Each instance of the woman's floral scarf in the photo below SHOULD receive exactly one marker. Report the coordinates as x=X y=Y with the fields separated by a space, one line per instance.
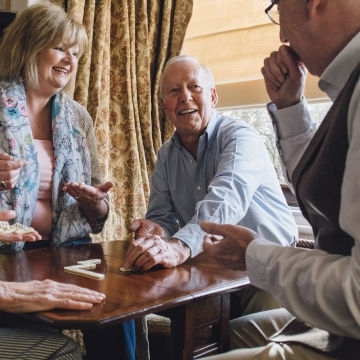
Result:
x=72 y=162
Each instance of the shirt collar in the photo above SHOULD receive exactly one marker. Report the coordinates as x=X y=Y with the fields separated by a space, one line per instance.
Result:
x=209 y=131
x=335 y=76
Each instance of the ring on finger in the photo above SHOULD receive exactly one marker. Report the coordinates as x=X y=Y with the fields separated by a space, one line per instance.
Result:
x=76 y=196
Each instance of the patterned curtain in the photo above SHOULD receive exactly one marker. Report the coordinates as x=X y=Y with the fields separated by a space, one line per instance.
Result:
x=118 y=81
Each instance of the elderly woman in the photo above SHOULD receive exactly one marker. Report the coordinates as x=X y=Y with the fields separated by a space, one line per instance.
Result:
x=49 y=169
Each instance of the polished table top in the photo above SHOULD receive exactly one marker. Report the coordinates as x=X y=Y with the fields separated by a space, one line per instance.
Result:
x=128 y=294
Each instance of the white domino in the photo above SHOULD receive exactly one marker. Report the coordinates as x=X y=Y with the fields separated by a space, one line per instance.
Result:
x=124 y=269
x=81 y=271
x=85 y=266
x=16 y=228
x=90 y=261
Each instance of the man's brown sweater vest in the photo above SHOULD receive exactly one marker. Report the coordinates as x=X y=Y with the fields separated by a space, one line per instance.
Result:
x=317 y=181
x=319 y=174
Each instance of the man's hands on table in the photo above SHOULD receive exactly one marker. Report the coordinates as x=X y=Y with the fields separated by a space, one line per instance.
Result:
x=150 y=248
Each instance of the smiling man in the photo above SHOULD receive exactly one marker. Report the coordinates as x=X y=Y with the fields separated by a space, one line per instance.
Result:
x=214 y=168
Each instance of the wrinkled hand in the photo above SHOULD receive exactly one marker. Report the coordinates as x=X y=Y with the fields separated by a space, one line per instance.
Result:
x=227 y=243
x=29 y=296
x=144 y=227
x=9 y=171
x=12 y=237
x=285 y=77
x=146 y=252
x=88 y=194
x=90 y=197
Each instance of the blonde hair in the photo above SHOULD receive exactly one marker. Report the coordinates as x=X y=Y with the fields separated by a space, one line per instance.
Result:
x=38 y=27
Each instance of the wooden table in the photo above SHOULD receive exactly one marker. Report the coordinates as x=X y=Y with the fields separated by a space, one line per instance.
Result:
x=183 y=292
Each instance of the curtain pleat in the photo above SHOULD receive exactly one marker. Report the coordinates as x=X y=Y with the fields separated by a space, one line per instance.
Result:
x=118 y=82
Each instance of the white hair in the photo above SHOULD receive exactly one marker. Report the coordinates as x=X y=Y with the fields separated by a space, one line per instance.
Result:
x=187 y=58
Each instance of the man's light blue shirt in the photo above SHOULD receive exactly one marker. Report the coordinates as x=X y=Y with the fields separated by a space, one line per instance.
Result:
x=232 y=181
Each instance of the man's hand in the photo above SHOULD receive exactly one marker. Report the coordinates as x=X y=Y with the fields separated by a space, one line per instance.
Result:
x=227 y=244
x=144 y=227
x=146 y=252
x=285 y=77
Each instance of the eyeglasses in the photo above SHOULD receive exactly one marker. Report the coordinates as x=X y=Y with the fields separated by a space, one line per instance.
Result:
x=272 y=13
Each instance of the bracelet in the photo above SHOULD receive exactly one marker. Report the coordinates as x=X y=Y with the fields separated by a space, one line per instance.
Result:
x=98 y=225
x=11 y=246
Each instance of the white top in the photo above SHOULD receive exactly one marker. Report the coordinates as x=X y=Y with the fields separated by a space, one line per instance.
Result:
x=319 y=288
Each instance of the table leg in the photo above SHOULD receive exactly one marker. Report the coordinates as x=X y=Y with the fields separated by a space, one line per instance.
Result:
x=187 y=319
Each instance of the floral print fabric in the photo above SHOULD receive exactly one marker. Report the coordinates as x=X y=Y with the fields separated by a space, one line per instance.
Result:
x=74 y=151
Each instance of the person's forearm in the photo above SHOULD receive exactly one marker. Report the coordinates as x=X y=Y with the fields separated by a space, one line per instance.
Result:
x=181 y=250
x=97 y=212
x=293 y=127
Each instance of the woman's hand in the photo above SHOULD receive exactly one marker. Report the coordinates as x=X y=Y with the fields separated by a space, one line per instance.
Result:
x=13 y=237
x=9 y=171
x=29 y=296
x=90 y=198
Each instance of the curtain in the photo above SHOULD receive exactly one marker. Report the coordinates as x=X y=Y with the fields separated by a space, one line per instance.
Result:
x=118 y=82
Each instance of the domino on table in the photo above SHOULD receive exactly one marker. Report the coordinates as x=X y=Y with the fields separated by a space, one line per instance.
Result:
x=89 y=261
x=82 y=271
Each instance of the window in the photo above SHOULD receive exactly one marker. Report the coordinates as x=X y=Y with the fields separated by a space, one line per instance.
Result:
x=259 y=118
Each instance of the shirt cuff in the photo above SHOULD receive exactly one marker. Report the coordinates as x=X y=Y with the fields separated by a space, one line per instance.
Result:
x=256 y=264
x=192 y=235
x=290 y=121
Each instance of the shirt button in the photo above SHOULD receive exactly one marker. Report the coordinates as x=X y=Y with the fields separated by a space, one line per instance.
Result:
x=198 y=187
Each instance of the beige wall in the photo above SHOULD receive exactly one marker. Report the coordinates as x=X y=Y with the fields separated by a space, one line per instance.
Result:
x=253 y=93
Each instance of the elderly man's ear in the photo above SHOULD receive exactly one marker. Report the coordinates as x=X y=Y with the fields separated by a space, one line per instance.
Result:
x=214 y=97
x=315 y=7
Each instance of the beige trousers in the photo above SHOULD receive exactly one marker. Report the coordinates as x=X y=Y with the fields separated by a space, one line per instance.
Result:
x=249 y=336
